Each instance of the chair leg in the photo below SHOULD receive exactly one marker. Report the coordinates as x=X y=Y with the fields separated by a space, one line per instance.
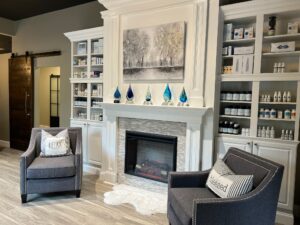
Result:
x=24 y=199
x=78 y=193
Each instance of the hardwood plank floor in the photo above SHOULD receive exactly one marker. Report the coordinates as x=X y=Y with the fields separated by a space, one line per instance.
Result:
x=61 y=209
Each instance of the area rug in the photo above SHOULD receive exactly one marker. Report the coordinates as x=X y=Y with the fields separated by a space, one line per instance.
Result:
x=145 y=202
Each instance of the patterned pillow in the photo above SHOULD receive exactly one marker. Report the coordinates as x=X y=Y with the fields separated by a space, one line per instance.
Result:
x=52 y=146
x=224 y=183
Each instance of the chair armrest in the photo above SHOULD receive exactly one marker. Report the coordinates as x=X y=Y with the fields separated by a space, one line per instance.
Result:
x=188 y=179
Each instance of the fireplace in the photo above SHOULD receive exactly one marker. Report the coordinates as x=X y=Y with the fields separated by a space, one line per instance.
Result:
x=150 y=156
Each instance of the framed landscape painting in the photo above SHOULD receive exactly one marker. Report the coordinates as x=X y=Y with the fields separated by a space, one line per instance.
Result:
x=154 y=53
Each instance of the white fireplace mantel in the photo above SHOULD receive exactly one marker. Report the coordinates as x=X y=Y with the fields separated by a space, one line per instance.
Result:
x=192 y=116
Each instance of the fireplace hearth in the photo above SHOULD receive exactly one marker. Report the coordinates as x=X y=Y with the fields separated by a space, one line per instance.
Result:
x=150 y=156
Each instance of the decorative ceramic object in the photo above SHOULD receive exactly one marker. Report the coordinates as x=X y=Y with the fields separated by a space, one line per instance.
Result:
x=167 y=96
x=272 y=25
x=117 y=95
x=129 y=95
x=183 y=100
x=148 y=98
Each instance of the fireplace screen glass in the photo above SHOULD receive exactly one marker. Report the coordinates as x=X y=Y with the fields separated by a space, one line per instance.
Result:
x=150 y=156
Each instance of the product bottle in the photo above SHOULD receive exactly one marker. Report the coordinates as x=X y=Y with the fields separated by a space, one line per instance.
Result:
x=275 y=68
x=289 y=96
x=272 y=132
x=283 y=67
x=259 y=132
x=268 y=132
x=291 y=136
x=284 y=97
x=263 y=132
x=279 y=96
x=282 y=134
x=286 y=136
x=225 y=127
x=275 y=97
x=221 y=127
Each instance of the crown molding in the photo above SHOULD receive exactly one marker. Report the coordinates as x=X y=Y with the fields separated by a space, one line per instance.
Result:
x=129 y=6
x=84 y=34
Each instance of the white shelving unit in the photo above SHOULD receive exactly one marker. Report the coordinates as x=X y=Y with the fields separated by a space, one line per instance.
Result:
x=87 y=92
x=263 y=82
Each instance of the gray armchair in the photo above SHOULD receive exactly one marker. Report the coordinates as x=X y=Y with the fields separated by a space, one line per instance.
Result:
x=45 y=175
x=191 y=203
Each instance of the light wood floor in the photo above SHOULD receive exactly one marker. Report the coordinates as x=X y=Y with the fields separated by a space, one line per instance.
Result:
x=63 y=208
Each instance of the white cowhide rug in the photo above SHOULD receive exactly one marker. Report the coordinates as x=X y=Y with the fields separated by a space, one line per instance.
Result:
x=145 y=202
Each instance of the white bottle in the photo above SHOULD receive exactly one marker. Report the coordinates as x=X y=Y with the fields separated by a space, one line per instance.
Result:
x=291 y=136
x=268 y=132
x=284 y=97
x=286 y=136
x=272 y=132
x=268 y=98
x=259 y=132
x=275 y=97
x=263 y=132
x=282 y=67
x=275 y=68
x=282 y=134
x=289 y=97
x=279 y=96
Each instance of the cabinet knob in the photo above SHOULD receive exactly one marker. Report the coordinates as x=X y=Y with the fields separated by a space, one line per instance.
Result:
x=249 y=143
x=255 y=144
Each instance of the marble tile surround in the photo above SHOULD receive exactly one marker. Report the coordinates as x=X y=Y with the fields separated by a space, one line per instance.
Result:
x=149 y=126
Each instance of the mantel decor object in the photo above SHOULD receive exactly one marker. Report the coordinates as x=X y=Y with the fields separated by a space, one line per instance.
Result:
x=272 y=25
x=167 y=96
x=117 y=95
x=183 y=100
x=148 y=98
x=129 y=95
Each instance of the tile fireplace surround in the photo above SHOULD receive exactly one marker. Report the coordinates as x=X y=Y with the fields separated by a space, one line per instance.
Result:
x=183 y=122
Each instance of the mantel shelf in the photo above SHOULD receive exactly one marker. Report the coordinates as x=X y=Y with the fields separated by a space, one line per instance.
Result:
x=155 y=112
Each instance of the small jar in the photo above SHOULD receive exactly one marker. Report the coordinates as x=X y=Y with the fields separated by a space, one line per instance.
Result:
x=236 y=96
x=287 y=114
x=229 y=96
x=293 y=114
x=249 y=96
x=227 y=110
x=230 y=127
x=273 y=113
x=279 y=114
x=267 y=113
x=262 y=113
x=247 y=112
x=233 y=111
x=240 y=111
x=223 y=95
x=236 y=128
x=242 y=96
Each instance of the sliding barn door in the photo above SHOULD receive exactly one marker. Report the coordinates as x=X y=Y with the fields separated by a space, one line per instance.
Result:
x=20 y=101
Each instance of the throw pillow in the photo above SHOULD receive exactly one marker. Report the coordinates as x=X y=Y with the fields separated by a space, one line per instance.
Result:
x=58 y=145
x=226 y=184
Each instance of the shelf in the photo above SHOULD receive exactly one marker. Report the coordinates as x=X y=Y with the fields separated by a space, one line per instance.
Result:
x=79 y=66
x=77 y=96
x=86 y=80
x=281 y=54
x=235 y=117
x=278 y=103
x=82 y=107
x=96 y=54
x=237 y=102
x=283 y=37
x=96 y=96
x=227 y=56
x=276 y=119
x=80 y=55
x=250 y=40
x=97 y=65
x=295 y=76
x=96 y=107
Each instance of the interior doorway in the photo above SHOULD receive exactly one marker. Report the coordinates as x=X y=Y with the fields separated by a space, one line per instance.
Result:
x=46 y=89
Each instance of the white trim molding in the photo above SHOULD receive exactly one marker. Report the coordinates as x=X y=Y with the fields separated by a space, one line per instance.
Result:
x=4 y=144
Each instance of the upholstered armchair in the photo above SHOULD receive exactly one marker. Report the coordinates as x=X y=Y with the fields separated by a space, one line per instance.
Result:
x=57 y=174
x=190 y=202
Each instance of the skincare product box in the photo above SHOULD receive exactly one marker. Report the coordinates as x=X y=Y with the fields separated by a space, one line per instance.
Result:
x=237 y=64
x=292 y=28
x=238 y=33
x=283 y=46
x=247 y=67
x=244 y=50
x=249 y=33
x=228 y=29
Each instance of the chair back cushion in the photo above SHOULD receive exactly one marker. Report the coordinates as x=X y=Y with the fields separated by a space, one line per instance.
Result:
x=243 y=163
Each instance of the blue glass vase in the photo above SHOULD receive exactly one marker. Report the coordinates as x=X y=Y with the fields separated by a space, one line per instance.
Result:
x=129 y=95
x=167 y=96
x=183 y=100
x=148 y=98
x=117 y=95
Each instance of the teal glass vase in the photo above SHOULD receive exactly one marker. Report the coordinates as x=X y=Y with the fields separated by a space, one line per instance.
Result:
x=117 y=95
x=129 y=95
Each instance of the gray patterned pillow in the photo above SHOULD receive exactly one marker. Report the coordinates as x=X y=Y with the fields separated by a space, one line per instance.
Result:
x=224 y=183
x=53 y=146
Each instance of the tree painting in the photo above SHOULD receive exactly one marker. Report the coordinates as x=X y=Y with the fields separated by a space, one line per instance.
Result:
x=154 y=53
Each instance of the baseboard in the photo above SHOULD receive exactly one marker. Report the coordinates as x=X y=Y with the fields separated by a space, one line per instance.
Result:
x=4 y=144
x=284 y=218
x=91 y=169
